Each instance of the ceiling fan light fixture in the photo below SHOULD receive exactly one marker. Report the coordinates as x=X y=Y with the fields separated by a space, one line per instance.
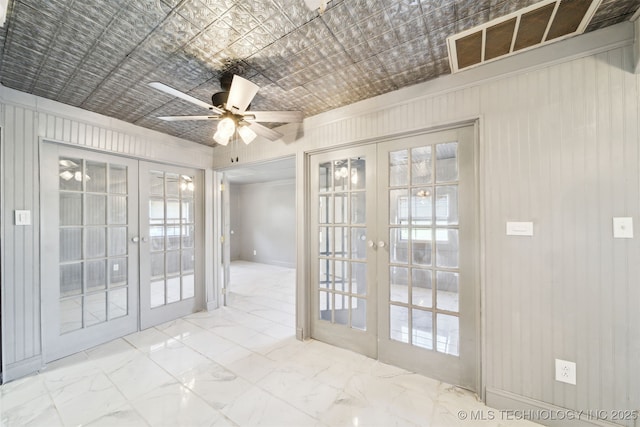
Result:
x=226 y=127
x=247 y=134
x=220 y=138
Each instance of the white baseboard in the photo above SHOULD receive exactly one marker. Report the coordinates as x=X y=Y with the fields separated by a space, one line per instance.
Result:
x=22 y=369
x=512 y=407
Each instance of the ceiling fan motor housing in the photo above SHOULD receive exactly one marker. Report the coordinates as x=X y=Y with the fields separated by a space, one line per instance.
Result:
x=219 y=99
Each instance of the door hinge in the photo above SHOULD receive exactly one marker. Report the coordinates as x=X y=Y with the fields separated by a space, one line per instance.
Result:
x=221 y=239
x=221 y=187
x=224 y=291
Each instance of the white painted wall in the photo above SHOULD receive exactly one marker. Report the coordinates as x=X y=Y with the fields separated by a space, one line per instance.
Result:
x=263 y=217
x=559 y=146
x=25 y=121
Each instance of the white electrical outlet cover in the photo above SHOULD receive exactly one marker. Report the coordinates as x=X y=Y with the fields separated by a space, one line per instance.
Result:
x=623 y=228
x=565 y=371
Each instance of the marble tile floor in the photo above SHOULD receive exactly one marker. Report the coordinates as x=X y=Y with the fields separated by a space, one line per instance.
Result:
x=236 y=366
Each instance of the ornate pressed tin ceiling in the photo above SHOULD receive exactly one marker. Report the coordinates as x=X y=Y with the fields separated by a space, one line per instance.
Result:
x=100 y=54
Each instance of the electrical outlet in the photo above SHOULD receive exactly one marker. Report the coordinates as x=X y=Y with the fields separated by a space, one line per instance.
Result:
x=255 y=252
x=566 y=371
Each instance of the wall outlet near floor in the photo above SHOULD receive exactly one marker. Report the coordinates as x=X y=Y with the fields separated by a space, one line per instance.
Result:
x=566 y=371
x=255 y=252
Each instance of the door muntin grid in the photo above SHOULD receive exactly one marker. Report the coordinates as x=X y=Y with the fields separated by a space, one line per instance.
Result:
x=171 y=238
x=424 y=248
x=342 y=243
x=93 y=246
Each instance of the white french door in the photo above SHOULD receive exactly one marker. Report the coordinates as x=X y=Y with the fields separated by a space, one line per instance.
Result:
x=121 y=247
x=411 y=230
x=343 y=221
x=89 y=261
x=170 y=215
x=427 y=255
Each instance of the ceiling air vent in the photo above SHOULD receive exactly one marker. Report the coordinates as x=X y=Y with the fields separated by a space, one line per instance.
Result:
x=539 y=24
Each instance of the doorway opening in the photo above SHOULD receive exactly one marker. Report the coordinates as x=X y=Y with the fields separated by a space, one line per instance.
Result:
x=259 y=240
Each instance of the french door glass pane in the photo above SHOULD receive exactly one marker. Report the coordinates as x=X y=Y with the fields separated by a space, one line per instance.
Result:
x=71 y=279
x=118 y=303
x=422 y=329
x=117 y=179
x=447 y=162
x=358 y=174
x=117 y=210
x=399 y=323
x=96 y=176
x=359 y=278
x=358 y=243
x=398 y=207
x=398 y=168
x=358 y=208
x=447 y=205
x=448 y=334
x=95 y=242
x=70 y=314
x=96 y=209
x=421 y=288
x=399 y=284
x=447 y=248
x=118 y=241
x=70 y=174
x=70 y=244
x=70 y=208
x=447 y=296
x=421 y=165
x=95 y=308
x=325 y=177
x=117 y=272
x=96 y=275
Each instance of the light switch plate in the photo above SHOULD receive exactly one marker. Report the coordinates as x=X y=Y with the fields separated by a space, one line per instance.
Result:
x=623 y=228
x=519 y=228
x=23 y=217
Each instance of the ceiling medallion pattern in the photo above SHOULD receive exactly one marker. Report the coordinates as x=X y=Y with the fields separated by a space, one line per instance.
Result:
x=100 y=55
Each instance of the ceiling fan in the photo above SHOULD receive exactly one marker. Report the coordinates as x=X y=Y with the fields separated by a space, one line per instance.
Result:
x=231 y=109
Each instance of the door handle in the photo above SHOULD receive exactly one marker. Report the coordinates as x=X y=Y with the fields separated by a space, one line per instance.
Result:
x=371 y=244
x=135 y=239
x=144 y=240
x=381 y=244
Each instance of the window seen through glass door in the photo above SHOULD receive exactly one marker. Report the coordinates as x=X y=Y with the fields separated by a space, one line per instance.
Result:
x=171 y=233
x=424 y=247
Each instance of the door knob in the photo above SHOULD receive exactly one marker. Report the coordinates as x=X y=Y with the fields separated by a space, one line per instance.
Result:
x=382 y=244
x=371 y=244
x=135 y=239
x=144 y=240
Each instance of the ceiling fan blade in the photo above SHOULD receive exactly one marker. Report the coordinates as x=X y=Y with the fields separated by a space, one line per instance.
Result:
x=175 y=92
x=181 y=118
x=241 y=94
x=274 y=116
x=265 y=131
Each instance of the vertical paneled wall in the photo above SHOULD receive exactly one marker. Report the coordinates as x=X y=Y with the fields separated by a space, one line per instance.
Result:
x=561 y=149
x=25 y=120
x=559 y=146
x=21 y=297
